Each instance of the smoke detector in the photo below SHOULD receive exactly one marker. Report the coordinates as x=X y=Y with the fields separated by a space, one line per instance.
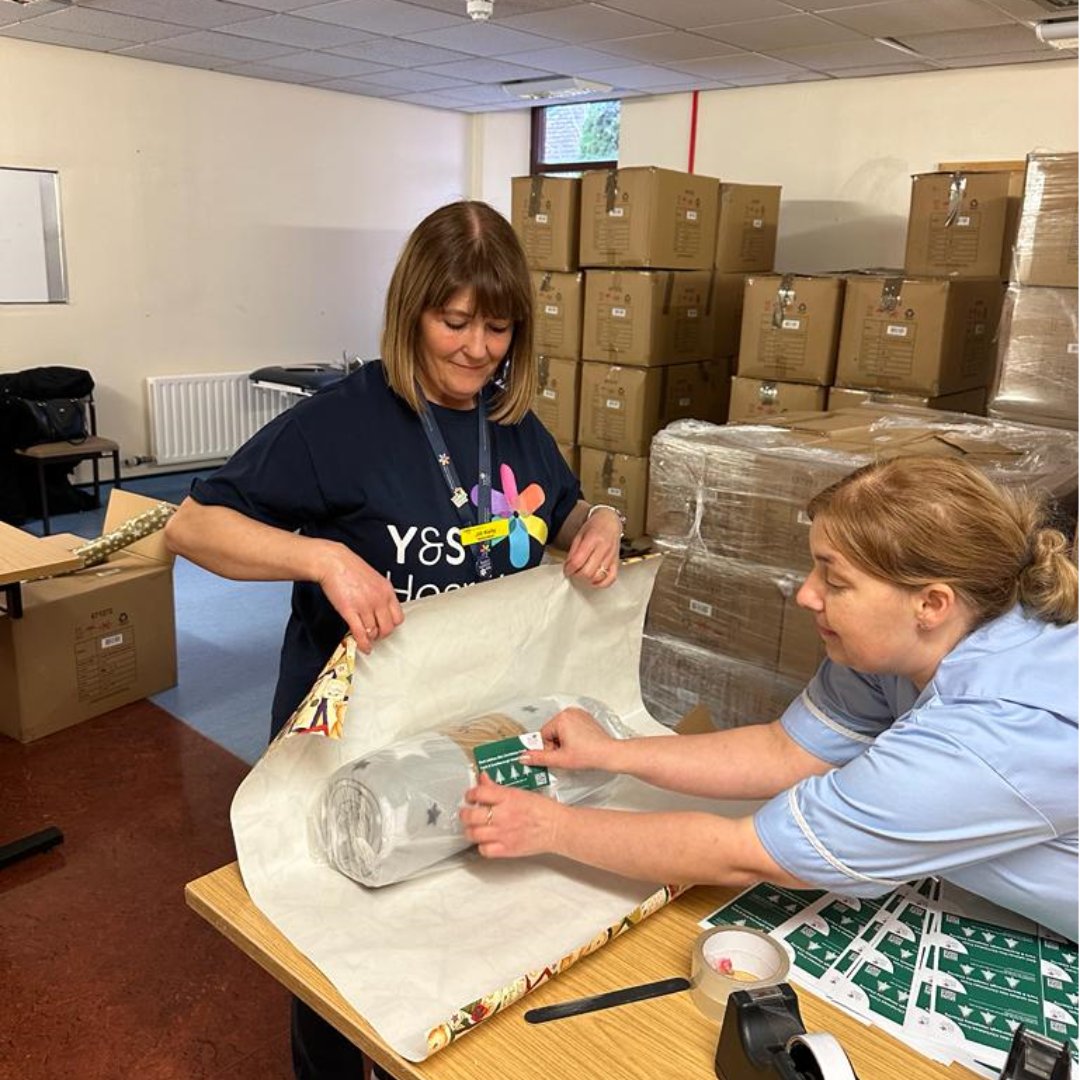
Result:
x=479 y=10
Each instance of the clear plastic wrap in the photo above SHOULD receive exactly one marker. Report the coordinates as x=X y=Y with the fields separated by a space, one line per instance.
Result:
x=393 y=814
x=676 y=676
x=1046 y=235
x=1038 y=359
x=741 y=491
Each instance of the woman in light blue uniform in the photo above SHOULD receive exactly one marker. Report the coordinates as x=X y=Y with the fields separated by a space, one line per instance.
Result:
x=938 y=737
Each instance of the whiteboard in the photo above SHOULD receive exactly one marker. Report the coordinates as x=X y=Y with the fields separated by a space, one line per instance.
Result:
x=31 y=245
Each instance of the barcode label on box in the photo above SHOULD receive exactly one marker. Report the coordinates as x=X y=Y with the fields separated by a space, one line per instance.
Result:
x=1072 y=348
x=683 y=402
x=112 y=641
x=541 y=219
x=551 y=309
x=691 y=313
x=618 y=313
x=616 y=211
x=893 y=330
x=691 y=215
x=699 y=607
x=963 y=221
x=617 y=492
x=790 y=324
x=551 y=395
x=757 y=223
x=613 y=403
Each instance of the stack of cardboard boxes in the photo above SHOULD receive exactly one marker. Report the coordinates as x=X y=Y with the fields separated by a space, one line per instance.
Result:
x=919 y=337
x=727 y=506
x=657 y=310
x=1037 y=340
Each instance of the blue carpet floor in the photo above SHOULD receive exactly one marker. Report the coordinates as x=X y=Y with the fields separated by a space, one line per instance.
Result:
x=228 y=636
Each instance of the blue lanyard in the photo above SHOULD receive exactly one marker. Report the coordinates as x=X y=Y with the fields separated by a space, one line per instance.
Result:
x=481 y=552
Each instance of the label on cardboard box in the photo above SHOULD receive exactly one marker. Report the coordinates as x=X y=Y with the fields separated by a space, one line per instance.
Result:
x=104 y=663
x=611 y=403
x=699 y=607
x=551 y=395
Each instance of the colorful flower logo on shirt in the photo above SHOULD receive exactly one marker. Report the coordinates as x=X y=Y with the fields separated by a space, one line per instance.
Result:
x=517 y=507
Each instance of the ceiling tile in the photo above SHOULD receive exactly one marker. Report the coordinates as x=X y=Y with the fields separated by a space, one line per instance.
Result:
x=384 y=16
x=583 y=23
x=274 y=74
x=635 y=76
x=988 y=42
x=1027 y=10
x=504 y=9
x=280 y=5
x=397 y=53
x=785 y=32
x=13 y=13
x=691 y=14
x=300 y=33
x=483 y=69
x=328 y=65
x=664 y=48
x=1009 y=58
x=833 y=58
x=482 y=95
x=229 y=46
x=105 y=24
x=162 y=54
x=771 y=80
x=825 y=6
x=431 y=98
x=197 y=14
x=481 y=39
x=905 y=67
x=30 y=30
x=566 y=59
x=406 y=81
x=898 y=18
x=738 y=65
x=357 y=86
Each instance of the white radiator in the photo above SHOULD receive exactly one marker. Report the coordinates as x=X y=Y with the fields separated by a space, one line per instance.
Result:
x=205 y=417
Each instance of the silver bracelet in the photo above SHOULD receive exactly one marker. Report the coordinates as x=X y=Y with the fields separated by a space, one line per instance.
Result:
x=615 y=510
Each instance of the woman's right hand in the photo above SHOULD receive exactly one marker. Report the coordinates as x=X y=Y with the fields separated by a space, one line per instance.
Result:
x=362 y=596
x=572 y=740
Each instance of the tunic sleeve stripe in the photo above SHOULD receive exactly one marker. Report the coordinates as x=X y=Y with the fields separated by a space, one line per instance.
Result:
x=831 y=724
x=823 y=851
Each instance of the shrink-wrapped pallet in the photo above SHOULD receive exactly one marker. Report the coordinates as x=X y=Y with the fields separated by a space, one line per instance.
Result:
x=1046 y=237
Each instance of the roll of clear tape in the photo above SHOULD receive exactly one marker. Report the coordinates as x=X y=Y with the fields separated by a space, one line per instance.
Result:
x=820 y=1049
x=729 y=958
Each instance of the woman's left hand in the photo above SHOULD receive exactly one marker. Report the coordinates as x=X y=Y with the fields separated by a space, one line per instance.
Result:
x=593 y=555
x=506 y=822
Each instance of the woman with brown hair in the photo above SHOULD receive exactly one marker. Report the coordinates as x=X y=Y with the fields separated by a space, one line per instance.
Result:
x=420 y=473
x=938 y=737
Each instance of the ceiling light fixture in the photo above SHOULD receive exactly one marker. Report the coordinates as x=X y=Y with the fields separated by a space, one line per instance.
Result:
x=479 y=10
x=555 y=86
x=899 y=46
x=1057 y=33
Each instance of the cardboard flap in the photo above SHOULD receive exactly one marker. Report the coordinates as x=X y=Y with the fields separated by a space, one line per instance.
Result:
x=123 y=506
x=698 y=721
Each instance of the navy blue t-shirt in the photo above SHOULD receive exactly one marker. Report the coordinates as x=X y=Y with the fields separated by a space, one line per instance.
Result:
x=352 y=464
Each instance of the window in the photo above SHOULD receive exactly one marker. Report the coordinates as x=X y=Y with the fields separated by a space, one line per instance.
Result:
x=570 y=138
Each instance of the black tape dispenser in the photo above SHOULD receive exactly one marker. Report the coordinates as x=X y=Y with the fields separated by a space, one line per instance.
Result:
x=763 y=1038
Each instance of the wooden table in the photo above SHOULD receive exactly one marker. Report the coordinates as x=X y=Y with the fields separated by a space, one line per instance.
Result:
x=25 y=557
x=665 y=1037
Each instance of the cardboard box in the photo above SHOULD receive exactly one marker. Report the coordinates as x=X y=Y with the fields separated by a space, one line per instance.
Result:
x=726 y=302
x=545 y=213
x=90 y=641
x=648 y=217
x=1037 y=371
x=1046 y=241
x=746 y=229
x=958 y=225
x=801 y=646
x=697 y=391
x=918 y=336
x=558 y=302
x=790 y=328
x=572 y=457
x=754 y=400
x=620 y=407
x=647 y=317
x=966 y=401
x=557 y=395
x=619 y=480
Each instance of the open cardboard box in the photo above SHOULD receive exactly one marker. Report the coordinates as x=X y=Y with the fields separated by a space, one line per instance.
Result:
x=91 y=640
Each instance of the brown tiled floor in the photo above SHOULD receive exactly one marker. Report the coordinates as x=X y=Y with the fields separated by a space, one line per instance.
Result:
x=104 y=972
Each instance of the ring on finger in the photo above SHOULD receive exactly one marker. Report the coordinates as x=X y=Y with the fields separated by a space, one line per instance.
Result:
x=602 y=572
x=371 y=631
x=490 y=815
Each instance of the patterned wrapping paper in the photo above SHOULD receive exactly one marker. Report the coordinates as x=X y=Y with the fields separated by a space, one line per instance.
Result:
x=98 y=550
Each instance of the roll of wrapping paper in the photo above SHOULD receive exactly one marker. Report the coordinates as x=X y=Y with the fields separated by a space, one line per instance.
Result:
x=97 y=551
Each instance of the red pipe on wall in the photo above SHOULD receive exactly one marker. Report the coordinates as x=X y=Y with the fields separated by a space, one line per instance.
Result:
x=693 y=130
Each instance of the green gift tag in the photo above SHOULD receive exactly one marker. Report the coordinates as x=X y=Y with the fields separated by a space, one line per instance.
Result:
x=500 y=760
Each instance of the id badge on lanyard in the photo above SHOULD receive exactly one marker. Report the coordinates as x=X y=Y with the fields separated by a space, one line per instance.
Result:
x=476 y=535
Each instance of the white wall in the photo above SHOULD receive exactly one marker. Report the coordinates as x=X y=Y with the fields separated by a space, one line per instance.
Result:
x=212 y=222
x=500 y=149
x=844 y=150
